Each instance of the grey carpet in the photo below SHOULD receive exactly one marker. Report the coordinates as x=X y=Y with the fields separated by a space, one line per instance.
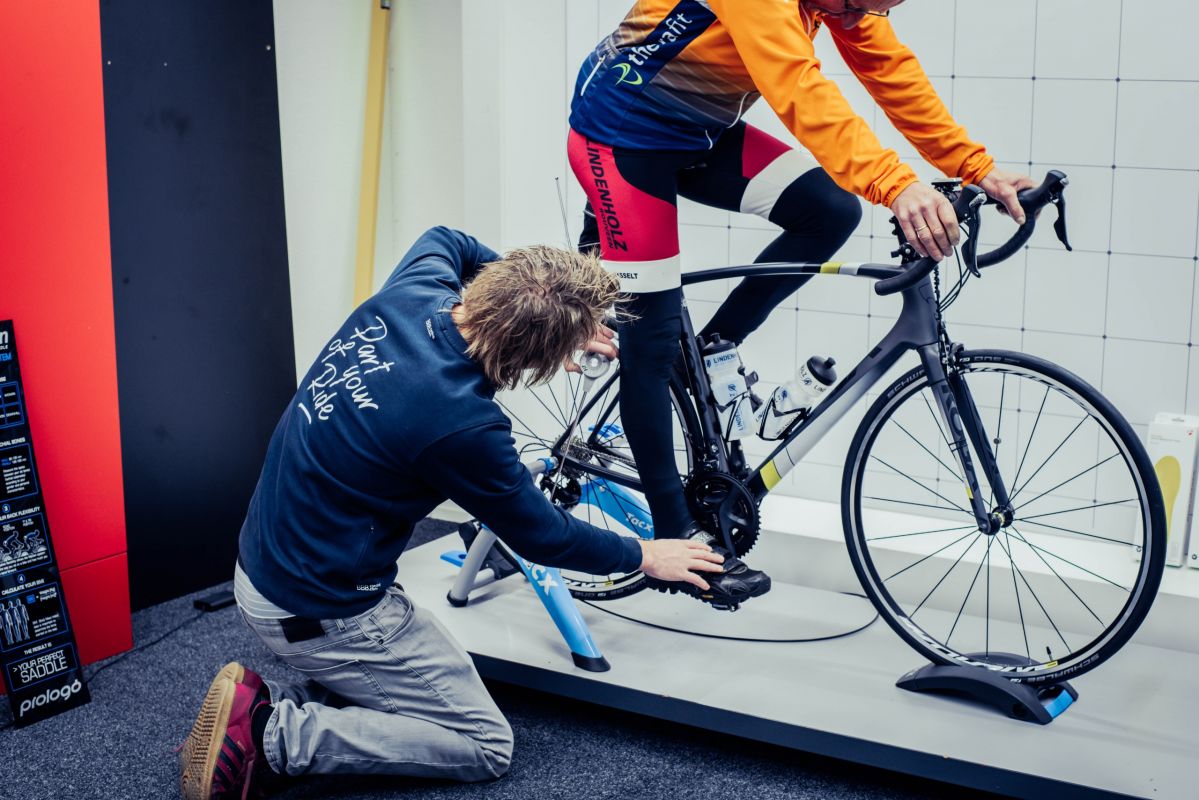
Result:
x=122 y=744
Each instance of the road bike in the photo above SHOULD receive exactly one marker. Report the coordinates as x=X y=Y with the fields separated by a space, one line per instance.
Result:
x=999 y=512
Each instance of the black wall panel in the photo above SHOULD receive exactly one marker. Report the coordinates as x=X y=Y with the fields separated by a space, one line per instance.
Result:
x=203 y=317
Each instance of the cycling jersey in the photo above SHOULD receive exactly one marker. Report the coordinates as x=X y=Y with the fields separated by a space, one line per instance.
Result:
x=677 y=73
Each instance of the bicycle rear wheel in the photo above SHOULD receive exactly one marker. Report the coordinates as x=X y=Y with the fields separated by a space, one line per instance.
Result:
x=595 y=478
x=1073 y=570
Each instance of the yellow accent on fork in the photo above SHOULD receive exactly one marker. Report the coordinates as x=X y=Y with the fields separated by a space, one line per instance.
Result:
x=831 y=267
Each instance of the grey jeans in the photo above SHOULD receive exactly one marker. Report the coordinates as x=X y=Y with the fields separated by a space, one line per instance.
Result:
x=388 y=692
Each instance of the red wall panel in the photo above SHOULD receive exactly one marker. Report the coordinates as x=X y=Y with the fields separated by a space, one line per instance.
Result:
x=56 y=284
x=93 y=591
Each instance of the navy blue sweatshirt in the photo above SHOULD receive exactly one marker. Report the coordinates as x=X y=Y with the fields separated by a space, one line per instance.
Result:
x=392 y=419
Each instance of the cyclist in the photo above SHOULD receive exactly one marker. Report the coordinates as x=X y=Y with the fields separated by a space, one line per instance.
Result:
x=656 y=113
x=395 y=416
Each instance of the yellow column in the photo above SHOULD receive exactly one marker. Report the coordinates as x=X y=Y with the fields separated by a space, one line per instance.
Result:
x=372 y=146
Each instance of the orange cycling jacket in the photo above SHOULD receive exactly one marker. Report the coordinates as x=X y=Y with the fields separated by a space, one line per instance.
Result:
x=676 y=73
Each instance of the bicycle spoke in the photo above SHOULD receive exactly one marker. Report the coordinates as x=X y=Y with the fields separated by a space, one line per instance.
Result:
x=930 y=555
x=1016 y=587
x=529 y=431
x=917 y=533
x=937 y=420
x=1079 y=533
x=1050 y=457
x=1041 y=605
x=1079 y=567
x=912 y=503
x=952 y=567
x=987 y=621
x=1057 y=575
x=1068 y=480
x=1031 y=434
x=966 y=599
x=537 y=396
x=921 y=485
x=554 y=397
x=952 y=471
x=1072 y=510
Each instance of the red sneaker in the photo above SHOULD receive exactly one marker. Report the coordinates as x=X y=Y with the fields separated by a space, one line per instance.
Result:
x=219 y=754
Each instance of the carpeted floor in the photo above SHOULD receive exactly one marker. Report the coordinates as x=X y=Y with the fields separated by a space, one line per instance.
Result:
x=122 y=744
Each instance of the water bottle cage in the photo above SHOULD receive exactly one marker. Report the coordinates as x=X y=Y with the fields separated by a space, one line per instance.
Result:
x=728 y=413
x=770 y=418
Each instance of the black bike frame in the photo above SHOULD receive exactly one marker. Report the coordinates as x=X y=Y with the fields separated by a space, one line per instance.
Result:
x=915 y=330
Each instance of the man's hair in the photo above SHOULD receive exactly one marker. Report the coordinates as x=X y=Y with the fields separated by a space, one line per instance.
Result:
x=529 y=311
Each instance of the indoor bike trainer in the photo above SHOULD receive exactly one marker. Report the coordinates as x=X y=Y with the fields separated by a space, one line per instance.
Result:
x=671 y=657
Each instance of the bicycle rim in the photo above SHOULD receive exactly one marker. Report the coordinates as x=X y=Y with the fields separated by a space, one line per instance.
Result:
x=1066 y=582
x=596 y=443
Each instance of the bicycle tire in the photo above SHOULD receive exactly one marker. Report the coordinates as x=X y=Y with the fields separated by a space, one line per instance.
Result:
x=895 y=602
x=584 y=448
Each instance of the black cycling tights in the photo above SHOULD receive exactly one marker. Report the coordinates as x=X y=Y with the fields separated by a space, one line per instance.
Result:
x=746 y=171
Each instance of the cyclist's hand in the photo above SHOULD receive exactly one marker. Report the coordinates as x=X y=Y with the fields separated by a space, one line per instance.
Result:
x=1002 y=186
x=601 y=343
x=927 y=220
x=678 y=560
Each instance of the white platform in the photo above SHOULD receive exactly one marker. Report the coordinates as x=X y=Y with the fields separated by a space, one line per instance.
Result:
x=1133 y=731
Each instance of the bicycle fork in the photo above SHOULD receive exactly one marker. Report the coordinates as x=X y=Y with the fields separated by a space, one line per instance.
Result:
x=965 y=430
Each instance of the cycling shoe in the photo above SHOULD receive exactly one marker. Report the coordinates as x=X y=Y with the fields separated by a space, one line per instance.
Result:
x=727 y=589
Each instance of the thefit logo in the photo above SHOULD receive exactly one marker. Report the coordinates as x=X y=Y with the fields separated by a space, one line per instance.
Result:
x=63 y=693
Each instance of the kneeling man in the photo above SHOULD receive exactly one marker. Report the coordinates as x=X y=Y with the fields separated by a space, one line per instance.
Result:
x=396 y=415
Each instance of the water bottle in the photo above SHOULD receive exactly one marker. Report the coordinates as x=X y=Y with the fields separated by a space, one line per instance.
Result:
x=723 y=366
x=789 y=402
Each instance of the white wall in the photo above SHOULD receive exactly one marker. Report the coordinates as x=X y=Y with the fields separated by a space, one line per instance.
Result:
x=322 y=70
x=1112 y=87
x=478 y=104
x=321 y=64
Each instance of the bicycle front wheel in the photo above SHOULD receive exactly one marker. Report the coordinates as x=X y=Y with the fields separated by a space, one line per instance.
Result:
x=1072 y=571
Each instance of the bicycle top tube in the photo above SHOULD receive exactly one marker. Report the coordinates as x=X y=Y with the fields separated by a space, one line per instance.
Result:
x=862 y=270
x=1050 y=192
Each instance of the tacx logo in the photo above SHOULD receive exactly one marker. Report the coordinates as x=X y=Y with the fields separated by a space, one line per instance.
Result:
x=62 y=693
x=625 y=70
x=638 y=522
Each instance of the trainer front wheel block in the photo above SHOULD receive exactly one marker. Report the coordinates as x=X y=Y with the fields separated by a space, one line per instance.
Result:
x=1016 y=700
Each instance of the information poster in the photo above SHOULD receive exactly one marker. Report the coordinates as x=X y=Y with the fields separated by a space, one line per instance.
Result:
x=42 y=674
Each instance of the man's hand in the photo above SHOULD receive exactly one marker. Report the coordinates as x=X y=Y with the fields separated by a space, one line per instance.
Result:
x=927 y=220
x=1002 y=186
x=601 y=343
x=678 y=560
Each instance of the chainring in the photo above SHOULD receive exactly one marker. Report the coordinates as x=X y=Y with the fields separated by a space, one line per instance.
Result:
x=708 y=492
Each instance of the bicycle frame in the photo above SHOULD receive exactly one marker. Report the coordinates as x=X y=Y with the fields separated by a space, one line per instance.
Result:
x=914 y=330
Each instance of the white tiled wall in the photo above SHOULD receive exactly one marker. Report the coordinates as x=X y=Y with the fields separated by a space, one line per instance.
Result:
x=1106 y=90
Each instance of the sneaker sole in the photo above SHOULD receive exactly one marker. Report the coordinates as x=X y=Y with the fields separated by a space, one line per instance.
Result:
x=203 y=746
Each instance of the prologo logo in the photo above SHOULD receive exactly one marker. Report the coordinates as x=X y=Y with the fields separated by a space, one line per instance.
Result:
x=64 y=693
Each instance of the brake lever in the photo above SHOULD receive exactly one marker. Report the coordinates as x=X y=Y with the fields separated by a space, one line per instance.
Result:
x=1059 y=225
x=973 y=223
